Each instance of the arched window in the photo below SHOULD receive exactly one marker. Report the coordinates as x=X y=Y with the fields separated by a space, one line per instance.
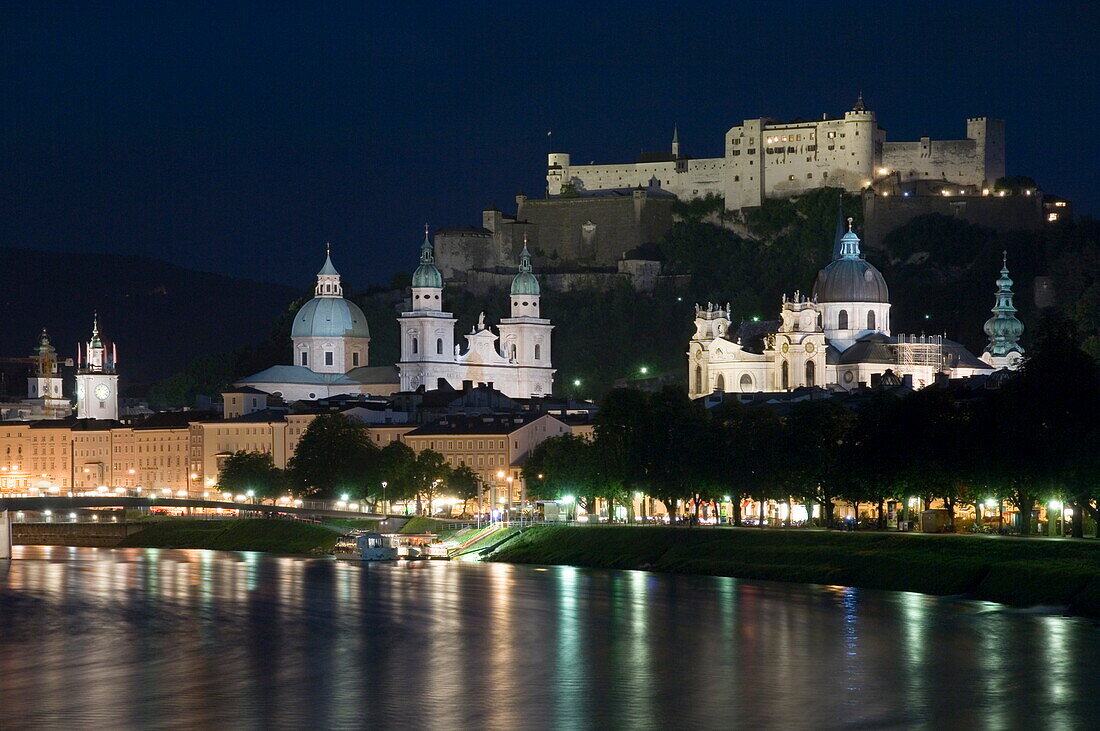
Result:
x=720 y=383
x=842 y=320
x=786 y=376
x=439 y=346
x=811 y=371
x=416 y=345
x=698 y=379
x=513 y=351
x=870 y=319
x=746 y=383
x=538 y=351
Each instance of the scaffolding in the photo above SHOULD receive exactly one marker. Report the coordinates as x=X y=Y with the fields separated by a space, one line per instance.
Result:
x=918 y=350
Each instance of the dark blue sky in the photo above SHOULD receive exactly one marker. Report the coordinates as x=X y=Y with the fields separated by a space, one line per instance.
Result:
x=239 y=138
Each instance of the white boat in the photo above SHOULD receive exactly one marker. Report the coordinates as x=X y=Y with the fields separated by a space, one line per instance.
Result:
x=359 y=546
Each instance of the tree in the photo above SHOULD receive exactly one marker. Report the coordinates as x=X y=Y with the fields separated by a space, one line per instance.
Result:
x=396 y=461
x=244 y=472
x=429 y=471
x=564 y=466
x=815 y=435
x=334 y=457
x=746 y=463
x=623 y=435
x=466 y=485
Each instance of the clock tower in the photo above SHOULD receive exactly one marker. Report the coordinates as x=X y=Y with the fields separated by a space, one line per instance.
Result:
x=96 y=379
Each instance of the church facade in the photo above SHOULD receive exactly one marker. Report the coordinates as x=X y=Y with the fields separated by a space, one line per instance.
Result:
x=517 y=361
x=839 y=337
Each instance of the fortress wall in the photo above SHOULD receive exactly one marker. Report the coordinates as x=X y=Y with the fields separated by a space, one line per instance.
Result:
x=620 y=223
x=959 y=161
x=882 y=215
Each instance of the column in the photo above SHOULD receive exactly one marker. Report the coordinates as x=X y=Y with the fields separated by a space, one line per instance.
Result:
x=5 y=534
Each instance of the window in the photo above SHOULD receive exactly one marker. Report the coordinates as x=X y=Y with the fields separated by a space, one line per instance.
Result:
x=785 y=376
x=842 y=320
x=416 y=345
x=305 y=358
x=328 y=357
x=720 y=383
x=355 y=359
x=698 y=379
x=439 y=346
x=538 y=351
x=870 y=319
x=810 y=372
x=746 y=383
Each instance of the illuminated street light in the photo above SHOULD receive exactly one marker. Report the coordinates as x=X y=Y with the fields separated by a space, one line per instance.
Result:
x=643 y=370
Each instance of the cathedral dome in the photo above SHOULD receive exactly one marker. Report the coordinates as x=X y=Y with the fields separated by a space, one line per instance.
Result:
x=851 y=278
x=426 y=275
x=524 y=283
x=330 y=317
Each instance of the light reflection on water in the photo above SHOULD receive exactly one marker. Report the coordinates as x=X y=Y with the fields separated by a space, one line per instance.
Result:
x=147 y=637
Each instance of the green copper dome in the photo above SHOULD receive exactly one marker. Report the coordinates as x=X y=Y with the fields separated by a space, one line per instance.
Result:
x=525 y=283
x=1004 y=329
x=426 y=275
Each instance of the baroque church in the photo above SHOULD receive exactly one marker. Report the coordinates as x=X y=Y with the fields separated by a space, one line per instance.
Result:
x=330 y=350
x=838 y=338
x=516 y=362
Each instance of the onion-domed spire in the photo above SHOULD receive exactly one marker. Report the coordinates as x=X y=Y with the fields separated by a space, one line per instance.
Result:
x=525 y=282
x=1004 y=328
x=427 y=275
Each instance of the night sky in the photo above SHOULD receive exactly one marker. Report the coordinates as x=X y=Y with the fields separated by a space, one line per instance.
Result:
x=238 y=138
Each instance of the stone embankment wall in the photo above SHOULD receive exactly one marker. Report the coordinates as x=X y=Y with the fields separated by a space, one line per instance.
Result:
x=94 y=535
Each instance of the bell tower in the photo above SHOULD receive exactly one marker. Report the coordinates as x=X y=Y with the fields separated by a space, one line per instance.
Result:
x=96 y=379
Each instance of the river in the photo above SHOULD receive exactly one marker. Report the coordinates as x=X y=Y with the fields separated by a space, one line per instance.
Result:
x=117 y=638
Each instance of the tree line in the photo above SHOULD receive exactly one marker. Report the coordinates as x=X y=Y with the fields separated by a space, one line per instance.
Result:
x=335 y=458
x=1032 y=439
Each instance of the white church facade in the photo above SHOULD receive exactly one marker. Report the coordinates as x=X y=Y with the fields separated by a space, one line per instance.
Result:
x=516 y=359
x=837 y=338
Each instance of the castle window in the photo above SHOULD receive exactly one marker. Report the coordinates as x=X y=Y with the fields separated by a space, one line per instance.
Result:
x=328 y=357
x=810 y=372
x=790 y=177
x=871 y=320
x=842 y=320
x=439 y=346
x=416 y=345
x=305 y=358
x=809 y=175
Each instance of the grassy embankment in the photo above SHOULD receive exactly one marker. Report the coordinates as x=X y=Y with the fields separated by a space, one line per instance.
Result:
x=257 y=534
x=1012 y=571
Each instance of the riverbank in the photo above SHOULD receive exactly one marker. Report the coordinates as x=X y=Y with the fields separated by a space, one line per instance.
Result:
x=255 y=534
x=1018 y=572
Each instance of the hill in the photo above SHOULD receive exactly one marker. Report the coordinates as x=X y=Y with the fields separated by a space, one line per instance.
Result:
x=160 y=315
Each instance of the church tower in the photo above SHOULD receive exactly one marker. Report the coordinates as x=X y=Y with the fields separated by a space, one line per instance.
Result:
x=96 y=379
x=44 y=382
x=525 y=336
x=427 y=332
x=1004 y=329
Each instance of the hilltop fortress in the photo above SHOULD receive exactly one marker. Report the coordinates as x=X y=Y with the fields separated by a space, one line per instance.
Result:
x=765 y=158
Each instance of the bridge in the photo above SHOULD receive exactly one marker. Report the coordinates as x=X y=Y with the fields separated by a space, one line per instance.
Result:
x=310 y=508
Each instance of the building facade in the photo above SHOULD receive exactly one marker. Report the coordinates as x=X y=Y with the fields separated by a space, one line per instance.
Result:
x=764 y=158
x=330 y=350
x=839 y=338
x=517 y=361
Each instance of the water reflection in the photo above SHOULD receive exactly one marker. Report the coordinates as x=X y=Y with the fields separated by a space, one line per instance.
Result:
x=145 y=637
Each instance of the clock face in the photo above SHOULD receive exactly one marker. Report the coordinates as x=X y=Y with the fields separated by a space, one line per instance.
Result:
x=102 y=391
x=80 y=390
